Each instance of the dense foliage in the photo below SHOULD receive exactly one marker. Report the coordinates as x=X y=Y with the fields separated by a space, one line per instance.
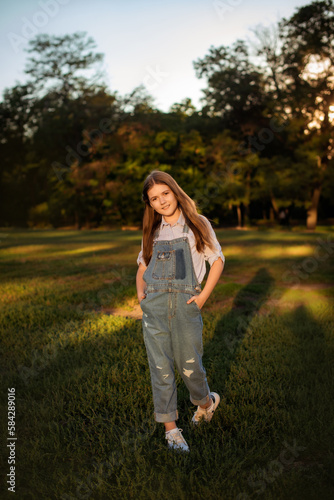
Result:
x=75 y=153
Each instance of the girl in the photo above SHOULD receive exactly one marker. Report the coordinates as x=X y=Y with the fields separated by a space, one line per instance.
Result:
x=175 y=245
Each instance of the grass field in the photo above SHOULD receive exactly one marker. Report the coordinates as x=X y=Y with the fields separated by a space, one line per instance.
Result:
x=72 y=348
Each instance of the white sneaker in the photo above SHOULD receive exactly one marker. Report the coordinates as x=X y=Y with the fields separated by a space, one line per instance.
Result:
x=176 y=441
x=206 y=414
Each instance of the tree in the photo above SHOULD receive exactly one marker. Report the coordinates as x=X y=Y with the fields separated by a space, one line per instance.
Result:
x=16 y=117
x=138 y=102
x=58 y=60
x=47 y=120
x=302 y=78
x=183 y=109
x=235 y=88
x=308 y=52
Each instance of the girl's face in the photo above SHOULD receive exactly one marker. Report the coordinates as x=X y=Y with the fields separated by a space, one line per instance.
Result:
x=162 y=199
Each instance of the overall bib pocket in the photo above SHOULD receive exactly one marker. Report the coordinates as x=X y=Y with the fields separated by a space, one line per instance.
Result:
x=164 y=265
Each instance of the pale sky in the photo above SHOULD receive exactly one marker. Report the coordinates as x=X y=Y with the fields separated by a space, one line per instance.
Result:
x=147 y=42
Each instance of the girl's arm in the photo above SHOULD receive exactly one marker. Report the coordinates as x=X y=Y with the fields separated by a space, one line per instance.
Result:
x=213 y=277
x=140 y=283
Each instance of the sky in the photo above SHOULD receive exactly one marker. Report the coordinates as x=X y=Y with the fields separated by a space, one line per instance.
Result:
x=145 y=42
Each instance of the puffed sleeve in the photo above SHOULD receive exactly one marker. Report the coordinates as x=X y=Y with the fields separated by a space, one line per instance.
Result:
x=210 y=255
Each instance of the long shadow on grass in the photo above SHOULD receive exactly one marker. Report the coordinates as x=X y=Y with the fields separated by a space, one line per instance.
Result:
x=219 y=353
x=310 y=360
x=308 y=397
x=221 y=350
x=289 y=403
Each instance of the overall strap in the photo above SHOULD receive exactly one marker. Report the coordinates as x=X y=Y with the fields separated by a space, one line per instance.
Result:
x=185 y=228
x=156 y=233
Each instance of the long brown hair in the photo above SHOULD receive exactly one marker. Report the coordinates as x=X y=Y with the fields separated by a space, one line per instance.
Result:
x=152 y=220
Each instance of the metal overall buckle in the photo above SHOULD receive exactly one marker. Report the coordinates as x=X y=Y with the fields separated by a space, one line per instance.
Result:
x=163 y=255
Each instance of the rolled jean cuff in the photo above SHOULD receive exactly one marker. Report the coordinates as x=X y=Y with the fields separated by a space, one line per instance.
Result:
x=199 y=402
x=166 y=417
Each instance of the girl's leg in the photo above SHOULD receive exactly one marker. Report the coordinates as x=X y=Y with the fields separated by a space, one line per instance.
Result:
x=187 y=329
x=160 y=356
x=170 y=425
x=206 y=405
x=162 y=378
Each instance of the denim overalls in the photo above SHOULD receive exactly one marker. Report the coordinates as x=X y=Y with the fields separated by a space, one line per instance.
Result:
x=172 y=329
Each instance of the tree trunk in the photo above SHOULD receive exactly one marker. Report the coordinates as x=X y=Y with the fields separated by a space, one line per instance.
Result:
x=312 y=213
x=77 y=219
x=274 y=206
x=246 y=205
x=77 y=211
x=239 y=215
x=246 y=215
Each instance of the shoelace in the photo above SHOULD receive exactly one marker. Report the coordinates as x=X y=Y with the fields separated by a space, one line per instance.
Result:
x=177 y=437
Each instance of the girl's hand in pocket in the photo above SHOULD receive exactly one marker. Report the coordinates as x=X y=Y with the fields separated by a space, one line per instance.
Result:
x=197 y=298
x=142 y=297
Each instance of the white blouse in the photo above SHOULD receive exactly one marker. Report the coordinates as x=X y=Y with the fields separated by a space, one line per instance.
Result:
x=170 y=232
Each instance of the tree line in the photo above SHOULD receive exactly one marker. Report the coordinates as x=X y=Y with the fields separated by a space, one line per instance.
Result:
x=73 y=152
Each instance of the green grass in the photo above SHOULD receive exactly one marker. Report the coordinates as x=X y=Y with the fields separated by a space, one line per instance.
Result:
x=84 y=410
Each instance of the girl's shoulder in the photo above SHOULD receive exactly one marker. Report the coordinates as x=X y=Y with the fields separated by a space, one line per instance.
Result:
x=203 y=216
x=208 y=223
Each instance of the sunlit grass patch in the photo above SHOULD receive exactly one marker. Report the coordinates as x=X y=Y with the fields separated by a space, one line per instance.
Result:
x=295 y=251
